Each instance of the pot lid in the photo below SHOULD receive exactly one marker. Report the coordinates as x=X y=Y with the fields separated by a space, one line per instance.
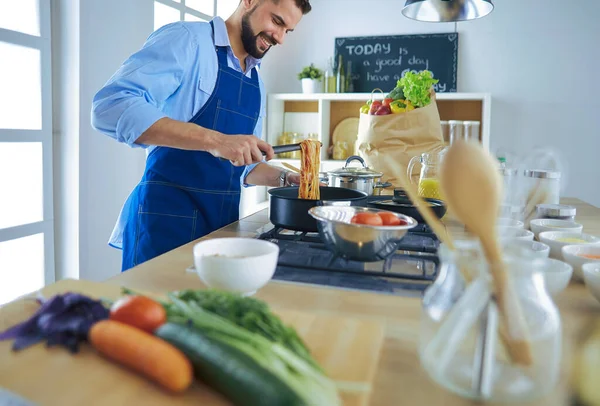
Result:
x=361 y=172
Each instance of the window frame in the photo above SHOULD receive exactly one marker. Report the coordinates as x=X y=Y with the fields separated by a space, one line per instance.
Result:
x=44 y=136
x=184 y=9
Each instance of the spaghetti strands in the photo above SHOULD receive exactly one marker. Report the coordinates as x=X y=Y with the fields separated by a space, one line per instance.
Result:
x=310 y=163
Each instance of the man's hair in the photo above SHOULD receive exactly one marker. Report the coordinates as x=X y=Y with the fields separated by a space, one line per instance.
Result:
x=303 y=5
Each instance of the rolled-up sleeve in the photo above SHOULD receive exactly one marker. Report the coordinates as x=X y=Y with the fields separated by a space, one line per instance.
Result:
x=130 y=102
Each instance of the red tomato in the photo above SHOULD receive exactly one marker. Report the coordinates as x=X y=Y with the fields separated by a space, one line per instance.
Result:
x=389 y=219
x=139 y=311
x=371 y=219
x=387 y=102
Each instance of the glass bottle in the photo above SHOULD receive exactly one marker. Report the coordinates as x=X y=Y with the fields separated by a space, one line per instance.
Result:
x=330 y=77
x=463 y=345
x=340 y=86
x=349 y=83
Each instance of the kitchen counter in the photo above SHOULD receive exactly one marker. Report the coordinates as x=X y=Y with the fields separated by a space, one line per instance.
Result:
x=399 y=378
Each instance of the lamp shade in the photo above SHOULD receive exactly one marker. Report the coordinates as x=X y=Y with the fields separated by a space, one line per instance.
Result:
x=441 y=11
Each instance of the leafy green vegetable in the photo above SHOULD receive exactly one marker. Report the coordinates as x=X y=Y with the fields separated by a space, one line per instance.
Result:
x=396 y=94
x=416 y=87
x=252 y=314
x=312 y=385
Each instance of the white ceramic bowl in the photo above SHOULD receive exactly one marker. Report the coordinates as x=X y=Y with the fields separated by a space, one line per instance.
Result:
x=241 y=265
x=540 y=225
x=508 y=222
x=573 y=255
x=508 y=232
x=557 y=275
x=552 y=238
x=533 y=249
x=591 y=276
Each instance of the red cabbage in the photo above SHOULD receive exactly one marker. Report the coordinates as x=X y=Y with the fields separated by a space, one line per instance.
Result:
x=63 y=320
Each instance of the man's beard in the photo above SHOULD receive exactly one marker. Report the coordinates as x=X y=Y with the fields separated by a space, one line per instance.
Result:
x=250 y=40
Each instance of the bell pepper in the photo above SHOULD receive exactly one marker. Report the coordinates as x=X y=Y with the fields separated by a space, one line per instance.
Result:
x=398 y=106
x=409 y=106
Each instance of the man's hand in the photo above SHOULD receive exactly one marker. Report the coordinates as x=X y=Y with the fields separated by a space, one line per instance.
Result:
x=293 y=178
x=240 y=149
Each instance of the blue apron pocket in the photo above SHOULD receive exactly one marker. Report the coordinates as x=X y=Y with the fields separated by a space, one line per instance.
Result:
x=166 y=218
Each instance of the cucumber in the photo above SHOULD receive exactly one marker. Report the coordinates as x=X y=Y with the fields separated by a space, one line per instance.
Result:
x=229 y=370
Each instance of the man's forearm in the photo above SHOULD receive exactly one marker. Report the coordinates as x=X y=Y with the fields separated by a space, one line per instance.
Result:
x=264 y=175
x=167 y=132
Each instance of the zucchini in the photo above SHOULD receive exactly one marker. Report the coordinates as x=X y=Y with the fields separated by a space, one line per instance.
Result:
x=228 y=370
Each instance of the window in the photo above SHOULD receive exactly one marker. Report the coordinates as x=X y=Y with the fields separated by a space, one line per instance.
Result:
x=26 y=218
x=168 y=11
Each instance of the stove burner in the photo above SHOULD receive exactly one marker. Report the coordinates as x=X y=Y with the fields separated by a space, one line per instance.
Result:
x=304 y=258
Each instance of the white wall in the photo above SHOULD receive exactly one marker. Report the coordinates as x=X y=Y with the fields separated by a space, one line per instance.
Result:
x=111 y=31
x=94 y=173
x=538 y=59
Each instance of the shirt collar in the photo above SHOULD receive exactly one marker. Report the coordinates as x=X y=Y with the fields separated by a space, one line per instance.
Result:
x=222 y=40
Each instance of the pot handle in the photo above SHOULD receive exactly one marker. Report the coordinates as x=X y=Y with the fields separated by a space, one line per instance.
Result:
x=355 y=158
x=383 y=185
x=410 y=167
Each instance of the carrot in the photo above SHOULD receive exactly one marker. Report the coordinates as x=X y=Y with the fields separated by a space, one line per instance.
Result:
x=148 y=355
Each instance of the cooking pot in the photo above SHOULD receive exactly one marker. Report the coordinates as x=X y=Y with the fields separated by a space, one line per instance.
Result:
x=362 y=179
x=287 y=211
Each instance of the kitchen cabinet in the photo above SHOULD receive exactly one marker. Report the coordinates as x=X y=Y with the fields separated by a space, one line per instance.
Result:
x=320 y=113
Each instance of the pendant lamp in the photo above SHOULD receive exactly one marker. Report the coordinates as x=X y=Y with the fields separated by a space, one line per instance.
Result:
x=441 y=11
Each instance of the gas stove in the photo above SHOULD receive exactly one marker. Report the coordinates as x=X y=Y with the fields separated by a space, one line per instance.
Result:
x=303 y=258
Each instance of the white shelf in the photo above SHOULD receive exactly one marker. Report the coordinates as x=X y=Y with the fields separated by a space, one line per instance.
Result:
x=326 y=103
x=367 y=96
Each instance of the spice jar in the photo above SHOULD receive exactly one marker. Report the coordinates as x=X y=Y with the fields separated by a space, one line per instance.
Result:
x=463 y=345
x=555 y=211
x=545 y=184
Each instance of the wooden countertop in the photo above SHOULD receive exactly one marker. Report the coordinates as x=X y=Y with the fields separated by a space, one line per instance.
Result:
x=400 y=378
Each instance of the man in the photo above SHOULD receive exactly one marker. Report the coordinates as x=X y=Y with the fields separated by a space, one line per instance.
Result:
x=193 y=98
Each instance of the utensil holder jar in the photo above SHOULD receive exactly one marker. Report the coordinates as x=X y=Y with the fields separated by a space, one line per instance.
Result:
x=461 y=348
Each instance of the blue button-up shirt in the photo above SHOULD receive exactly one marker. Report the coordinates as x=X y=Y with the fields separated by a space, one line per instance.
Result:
x=173 y=75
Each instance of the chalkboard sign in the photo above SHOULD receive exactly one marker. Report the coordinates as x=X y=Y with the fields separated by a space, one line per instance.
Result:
x=378 y=62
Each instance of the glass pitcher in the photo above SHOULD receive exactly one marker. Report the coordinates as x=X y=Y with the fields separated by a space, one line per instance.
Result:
x=429 y=183
x=461 y=346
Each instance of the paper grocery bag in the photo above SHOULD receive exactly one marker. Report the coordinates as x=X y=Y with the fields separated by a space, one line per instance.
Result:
x=400 y=136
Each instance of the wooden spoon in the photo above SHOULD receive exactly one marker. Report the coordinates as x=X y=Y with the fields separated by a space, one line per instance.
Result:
x=471 y=182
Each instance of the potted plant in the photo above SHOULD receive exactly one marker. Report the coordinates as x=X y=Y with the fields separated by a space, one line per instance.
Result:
x=311 y=79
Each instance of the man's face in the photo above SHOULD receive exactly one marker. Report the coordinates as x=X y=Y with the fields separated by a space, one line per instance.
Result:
x=266 y=24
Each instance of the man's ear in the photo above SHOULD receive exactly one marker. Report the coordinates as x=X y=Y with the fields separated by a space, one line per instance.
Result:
x=249 y=4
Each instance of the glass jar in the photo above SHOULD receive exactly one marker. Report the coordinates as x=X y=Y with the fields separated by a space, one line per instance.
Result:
x=455 y=130
x=341 y=150
x=545 y=183
x=462 y=342
x=296 y=138
x=284 y=139
x=471 y=130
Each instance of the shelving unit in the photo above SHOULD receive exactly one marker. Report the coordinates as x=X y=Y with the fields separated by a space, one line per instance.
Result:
x=329 y=109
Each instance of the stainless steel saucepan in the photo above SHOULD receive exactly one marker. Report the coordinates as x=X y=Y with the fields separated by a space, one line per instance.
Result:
x=362 y=178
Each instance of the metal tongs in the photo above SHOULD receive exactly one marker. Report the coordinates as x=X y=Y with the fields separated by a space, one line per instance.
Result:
x=280 y=149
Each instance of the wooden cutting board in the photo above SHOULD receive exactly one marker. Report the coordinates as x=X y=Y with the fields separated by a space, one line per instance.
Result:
x=347 y=348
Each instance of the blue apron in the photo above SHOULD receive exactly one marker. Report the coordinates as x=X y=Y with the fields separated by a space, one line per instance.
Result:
x=184 y=195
